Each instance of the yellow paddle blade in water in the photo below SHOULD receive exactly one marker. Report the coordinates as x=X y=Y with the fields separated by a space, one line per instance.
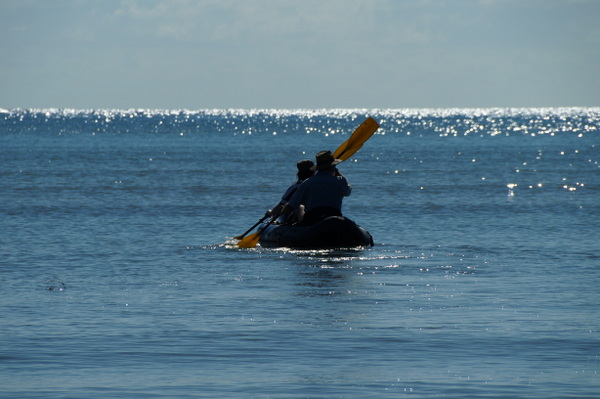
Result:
x=250 y=241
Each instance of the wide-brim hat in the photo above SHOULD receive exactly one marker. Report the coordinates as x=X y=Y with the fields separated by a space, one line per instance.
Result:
x=325 y=160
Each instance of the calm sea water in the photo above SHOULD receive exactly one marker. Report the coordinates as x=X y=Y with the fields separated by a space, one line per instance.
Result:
x=118 y=278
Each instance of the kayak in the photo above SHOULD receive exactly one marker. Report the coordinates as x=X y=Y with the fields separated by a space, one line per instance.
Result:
x=330 y=233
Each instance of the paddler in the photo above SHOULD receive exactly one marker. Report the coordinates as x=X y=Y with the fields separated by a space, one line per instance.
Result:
x=322 y=194
x=305 y=171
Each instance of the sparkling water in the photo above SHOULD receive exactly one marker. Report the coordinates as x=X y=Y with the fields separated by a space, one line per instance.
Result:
x=120 y=278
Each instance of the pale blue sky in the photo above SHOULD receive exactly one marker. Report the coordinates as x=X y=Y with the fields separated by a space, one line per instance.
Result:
x=175 y=54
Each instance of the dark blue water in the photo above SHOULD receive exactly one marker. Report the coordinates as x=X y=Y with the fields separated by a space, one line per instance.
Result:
x=118 y=276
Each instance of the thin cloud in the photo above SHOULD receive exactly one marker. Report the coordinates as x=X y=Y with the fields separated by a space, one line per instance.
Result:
x=270 y=20
x=289 y=54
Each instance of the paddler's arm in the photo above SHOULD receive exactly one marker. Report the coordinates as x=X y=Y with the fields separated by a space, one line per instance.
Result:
x=286 y=209
x=276 y=211
x=348 y=188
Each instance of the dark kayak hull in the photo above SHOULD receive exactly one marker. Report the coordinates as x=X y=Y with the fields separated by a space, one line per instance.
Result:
x=330 y=233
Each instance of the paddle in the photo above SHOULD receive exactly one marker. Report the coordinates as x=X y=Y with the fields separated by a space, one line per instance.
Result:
x=252 y=239
x=251 y=228
x=345 y=151
x=356 y=141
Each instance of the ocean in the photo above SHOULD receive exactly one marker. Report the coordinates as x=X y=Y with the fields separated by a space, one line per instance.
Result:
x=120 y=278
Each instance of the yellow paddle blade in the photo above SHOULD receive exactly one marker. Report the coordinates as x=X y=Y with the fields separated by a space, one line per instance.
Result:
x=340 y=150
x=356 y=141
x=250 y=241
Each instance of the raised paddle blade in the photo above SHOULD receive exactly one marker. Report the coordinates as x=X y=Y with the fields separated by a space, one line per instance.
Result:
x=250 y=241
x=356 y=141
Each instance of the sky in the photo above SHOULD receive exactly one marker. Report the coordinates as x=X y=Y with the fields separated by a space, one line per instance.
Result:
x=289 y=54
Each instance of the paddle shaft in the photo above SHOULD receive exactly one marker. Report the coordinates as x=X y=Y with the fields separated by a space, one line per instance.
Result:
x=251 y=228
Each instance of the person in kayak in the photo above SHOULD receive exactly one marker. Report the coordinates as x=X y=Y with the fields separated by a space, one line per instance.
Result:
x=305 y=171
x=322 y=194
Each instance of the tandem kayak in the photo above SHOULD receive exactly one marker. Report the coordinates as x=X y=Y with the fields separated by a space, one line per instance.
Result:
x=330 y=233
